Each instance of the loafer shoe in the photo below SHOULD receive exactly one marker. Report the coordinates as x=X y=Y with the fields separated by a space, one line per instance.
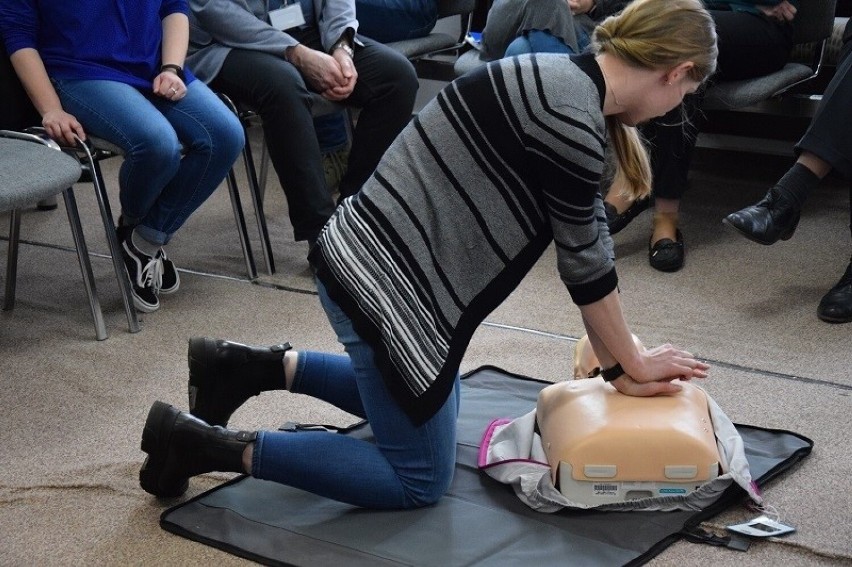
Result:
x=666 y=254
x=836 y=305
x=616 y=222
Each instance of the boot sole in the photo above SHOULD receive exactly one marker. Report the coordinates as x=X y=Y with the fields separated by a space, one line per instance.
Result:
x=786 y=236
x=156 y=437
x=199 y=359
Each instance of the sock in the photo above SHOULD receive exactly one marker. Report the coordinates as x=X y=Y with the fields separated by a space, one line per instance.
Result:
x=147 y=248
x=662 y=222
x=796 y=184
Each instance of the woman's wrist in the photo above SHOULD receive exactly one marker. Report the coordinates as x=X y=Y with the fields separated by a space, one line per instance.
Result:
x=173 y=68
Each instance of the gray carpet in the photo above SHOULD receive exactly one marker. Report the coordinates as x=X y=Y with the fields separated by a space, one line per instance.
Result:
x=73 y=408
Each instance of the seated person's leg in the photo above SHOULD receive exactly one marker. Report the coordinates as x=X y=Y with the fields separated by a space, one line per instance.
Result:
x=385 y=91
x=212 y=139
x=126 y=117
x=395 y=20
x=278 y=92
x=545 y=42
x=333 y=137
x=519 y=46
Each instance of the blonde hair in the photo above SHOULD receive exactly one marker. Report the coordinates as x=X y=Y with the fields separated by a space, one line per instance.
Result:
x=653 y=34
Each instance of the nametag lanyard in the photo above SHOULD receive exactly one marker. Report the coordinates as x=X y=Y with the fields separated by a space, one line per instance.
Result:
x=288 y=16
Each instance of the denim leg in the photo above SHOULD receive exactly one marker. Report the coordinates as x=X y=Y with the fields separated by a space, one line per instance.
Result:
x=536 y=41
x=276 y=90
x=330 y=378
x=331 y=132
x=158 y=188
x=406 y=466
x=124 y=116
x=395 y=20
x=212 y=138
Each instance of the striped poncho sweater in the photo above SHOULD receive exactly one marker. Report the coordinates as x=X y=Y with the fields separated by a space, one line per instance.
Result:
x=505 y=160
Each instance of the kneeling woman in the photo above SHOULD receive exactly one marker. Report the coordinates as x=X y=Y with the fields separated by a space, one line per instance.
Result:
x=506 y=160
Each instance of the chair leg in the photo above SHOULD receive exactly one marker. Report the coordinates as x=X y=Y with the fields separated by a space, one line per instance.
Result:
x=85 y=264
x=242 y=229
x=263 y=176
x=112 y=240
x=12 y=260
x=257 y=201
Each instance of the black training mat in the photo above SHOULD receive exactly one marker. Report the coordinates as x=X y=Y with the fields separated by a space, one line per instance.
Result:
x=479 y=522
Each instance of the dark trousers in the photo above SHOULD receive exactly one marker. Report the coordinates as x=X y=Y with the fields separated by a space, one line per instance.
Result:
x=385 y=92
x=829 y=135
x=749 y=46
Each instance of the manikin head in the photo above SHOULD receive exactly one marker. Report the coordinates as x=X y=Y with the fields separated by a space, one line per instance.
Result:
x=586 y=364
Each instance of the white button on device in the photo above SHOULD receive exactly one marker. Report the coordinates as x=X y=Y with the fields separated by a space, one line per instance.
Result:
x=600 y=471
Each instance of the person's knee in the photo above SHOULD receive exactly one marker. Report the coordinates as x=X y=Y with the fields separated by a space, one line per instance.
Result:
x=519 y=46
x=229 y=137
x=158 y=147
x=427 y=491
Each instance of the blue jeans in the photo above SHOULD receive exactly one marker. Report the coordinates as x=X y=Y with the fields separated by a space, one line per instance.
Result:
x=406 y=466
x=395 y=20
x=536 y=41
x=159 y=188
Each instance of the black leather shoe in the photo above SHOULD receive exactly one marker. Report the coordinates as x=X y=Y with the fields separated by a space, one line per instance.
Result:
x=180 y=446
x=667 y=255
x=223 y=375
x=616 y=222
x=836 y=305
x=773 y=218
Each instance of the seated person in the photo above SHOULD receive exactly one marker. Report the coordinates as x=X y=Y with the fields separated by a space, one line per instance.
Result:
x=235 y=49
x=396 y=20
x=120 y=76
x=826 y=146
x=755 y=39
x=380 y=20
x=514 y=27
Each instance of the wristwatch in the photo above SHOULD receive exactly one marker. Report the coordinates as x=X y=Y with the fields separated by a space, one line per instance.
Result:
x=345 y=47
x=612 y=373
x=176 y=69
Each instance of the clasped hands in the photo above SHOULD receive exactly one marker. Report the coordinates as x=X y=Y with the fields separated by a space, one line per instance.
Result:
x=333 y=76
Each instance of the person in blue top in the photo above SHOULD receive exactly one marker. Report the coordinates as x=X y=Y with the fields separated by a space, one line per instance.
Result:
x=115 y=70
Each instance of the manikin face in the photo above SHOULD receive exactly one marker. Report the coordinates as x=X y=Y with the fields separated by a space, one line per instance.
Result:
x=665 y=94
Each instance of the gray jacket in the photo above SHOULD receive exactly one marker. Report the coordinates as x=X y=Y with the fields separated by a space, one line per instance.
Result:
x=217 y=26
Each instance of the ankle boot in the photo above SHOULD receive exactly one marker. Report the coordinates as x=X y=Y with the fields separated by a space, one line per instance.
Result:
x=836 y=305
x=180 y=446
x=773 y=218
x=223 y=375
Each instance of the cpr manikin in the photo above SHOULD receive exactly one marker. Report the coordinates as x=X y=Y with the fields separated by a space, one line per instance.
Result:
x=586 y=445
x=604 y=446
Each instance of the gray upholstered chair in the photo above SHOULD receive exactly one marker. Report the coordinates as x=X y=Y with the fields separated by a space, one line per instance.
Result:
x=812 y=29
x=438 y=42
x=33 y=169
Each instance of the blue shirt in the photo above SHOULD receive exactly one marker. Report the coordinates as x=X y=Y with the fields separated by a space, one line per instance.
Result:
x=116 y=40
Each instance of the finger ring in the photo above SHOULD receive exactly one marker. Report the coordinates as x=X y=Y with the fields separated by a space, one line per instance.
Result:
x=174 y=90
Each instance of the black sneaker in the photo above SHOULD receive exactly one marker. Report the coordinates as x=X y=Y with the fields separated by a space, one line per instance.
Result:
x=145 y=273
x=169 y=274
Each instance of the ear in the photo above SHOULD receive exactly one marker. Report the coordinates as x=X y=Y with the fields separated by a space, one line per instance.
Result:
x=678 y=72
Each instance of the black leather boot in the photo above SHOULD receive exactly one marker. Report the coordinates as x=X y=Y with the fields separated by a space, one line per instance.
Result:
x=773 y=218
x=223 y=375
x=836 y=305
x=180 y=446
